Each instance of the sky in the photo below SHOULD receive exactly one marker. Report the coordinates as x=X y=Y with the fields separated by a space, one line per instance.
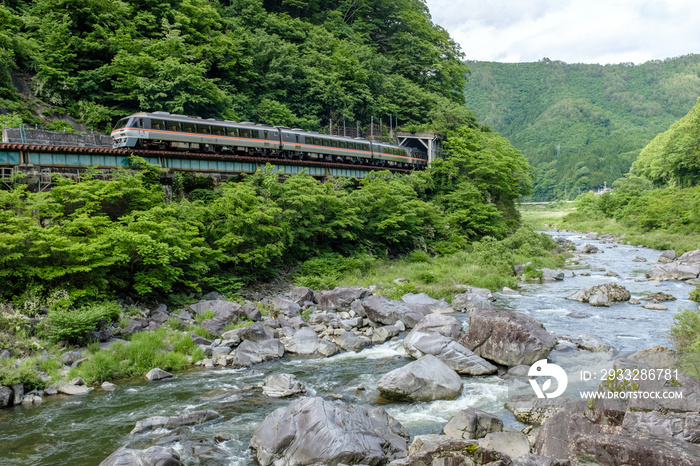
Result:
x=572 y=31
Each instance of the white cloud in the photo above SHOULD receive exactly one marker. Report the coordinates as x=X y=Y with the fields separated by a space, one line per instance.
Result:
x=574 y=31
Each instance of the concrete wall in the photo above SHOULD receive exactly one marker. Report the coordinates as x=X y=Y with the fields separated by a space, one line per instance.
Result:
x=54 y=138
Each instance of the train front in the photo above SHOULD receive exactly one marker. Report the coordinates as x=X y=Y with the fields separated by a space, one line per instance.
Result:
x=125 y=133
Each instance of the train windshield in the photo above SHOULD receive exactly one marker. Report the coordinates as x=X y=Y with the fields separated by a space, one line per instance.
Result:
x=121 y=124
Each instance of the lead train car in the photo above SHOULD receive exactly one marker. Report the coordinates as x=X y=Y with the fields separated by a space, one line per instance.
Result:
x=165 y=131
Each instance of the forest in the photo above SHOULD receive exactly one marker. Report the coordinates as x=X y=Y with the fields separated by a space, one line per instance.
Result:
x=299 y=63
x=581 y=125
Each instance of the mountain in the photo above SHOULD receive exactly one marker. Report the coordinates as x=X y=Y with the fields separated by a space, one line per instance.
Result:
x=581 y=125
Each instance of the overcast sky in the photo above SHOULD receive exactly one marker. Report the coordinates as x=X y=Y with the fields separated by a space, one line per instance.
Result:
x=573 y=31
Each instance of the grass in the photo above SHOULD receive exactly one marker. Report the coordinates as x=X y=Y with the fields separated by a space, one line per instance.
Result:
x=147 y=350
x=486 y=264
x=242 y=322
x=207 y=314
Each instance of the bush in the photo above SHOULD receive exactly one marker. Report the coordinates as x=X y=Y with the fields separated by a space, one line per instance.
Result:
x=74 y=325
x=685 y=331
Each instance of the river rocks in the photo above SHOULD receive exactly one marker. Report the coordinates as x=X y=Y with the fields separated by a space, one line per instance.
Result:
x=674 y=271
x=690 y=257
x=473 y=298
x=157 y=374
x=655 y=307
x=682 y=426
x=351 y=342
x=589 y=343
x=153 y=456
x=426 y=379
x=302 y=295
x=224 y=310
x=314 y=431
x=507 y=337
x=422 y=300
x=443 y=450
x=304 y=341
x=5 y=396
x=551 y=275
x=250 y=352
x=534 y=411
x=435 y=334
x=341 y=297
x=173 y=422
x=658 y=297
x=472 y=423
x=639 y=259
x=286 y=307
x=282 y=385
x=108 y=386
x=601 y=295
x=388 y=312
x=667 y=256
x=18 y=393
x=68 y=357
x=590 y=249
x=625 y=450
x=510 y=443
x=656 y=357
x=70 y=389
x=255 y=333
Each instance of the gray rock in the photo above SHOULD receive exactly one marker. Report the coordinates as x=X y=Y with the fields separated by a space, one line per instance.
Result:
x=472 y=423
x=658 y=297
x=591 y=343
x=537 y=460
x=255 y=333
x=551 y=275
x=452 y=353
x=442 y=450
x=520 y=268
x=223 y=310
x=667 y=256
x=78 y=362
x=252 y=312
x=535 y=411
x=286 y=307
x=302 y=295
x=682 y=426
x=249 y=352
x=282 y=385
x=511 y=443
x=626 y=450
x=220 y=351
x=422 y=299
x=388 y=312
x=590 y=249
x=18 y=393
x=674 y=271
x=327 y=349
x=304 y=341
x=153 y=456
x=611 y=273
x=639 y=259
x=657 y=357
x=426 y=379
x=601 y=294
x=444 y=325
x=5 y=396
x=77 y=381
x=340 y=297
x=5 y=354
x=351 y=342
x=472 y=299
x=108 y=386
x=655 y=307
x=51 y=390
x=690 y=257
x=313 y=431
x=69 y=389
x=173 y=422
x=157 y=374
x=68 y=357
x=507 y=337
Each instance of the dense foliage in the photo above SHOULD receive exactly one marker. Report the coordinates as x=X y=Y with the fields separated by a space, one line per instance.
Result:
x=581 y=125
x=102 y=238
x=674 y=155
x=300 y=63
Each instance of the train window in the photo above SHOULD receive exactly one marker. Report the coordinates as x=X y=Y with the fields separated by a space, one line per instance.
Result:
x=297 y=136
x=173 y=126
x=140 y=123
x=218 y=130
x=334 y=143
x=121 y=124
x=343 y=144
x=232 y=132
x=256 y=134
x=189 y=127
x=245 y=133
x=157 y=124
x=204 y=129
x=325 y=142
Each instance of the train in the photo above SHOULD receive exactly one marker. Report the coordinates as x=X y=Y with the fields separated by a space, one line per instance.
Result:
x=171 y=132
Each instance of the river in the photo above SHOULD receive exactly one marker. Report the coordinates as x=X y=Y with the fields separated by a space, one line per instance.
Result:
x=85 y=430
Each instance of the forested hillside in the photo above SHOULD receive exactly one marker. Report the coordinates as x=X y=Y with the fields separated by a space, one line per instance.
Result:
x=581 y=125
x=299 y=63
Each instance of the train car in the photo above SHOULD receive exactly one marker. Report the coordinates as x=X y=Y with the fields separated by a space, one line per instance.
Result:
x=165 y=131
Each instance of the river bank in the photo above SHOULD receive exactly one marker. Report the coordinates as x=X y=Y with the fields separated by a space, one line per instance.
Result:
x=88 y=428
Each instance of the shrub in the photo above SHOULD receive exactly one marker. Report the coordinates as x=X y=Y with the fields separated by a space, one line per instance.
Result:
x=74 y=325
x=207 y=314
x=695 y=294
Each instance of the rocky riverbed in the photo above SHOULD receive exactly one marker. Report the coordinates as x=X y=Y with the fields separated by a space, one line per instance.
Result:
x=350 y=367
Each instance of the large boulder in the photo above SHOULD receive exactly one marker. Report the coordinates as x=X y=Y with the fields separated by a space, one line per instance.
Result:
x=435 y=334
x=340 y=297
x=351 y=342
x=153 y=456
x=426 y=379
x=674 y=271
x=510 y=443
x=5 y=397
x=473 y=298
x=156 y=374
x=304 y=341
x=70 y=389
x=623 y=450
x=667 y=256
x=313 y=431
x=442 y=450
x=507 y=337
x=224 y=310
x=388 y=312
x=534 y=411
x=249 y=352
x=601 y=295
x=690 y=257
x=173 y=422
x=282 y=385
x=551 y=275
x=472 y=423
x=286 y=307
x=423 y=301
x=302 y=295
